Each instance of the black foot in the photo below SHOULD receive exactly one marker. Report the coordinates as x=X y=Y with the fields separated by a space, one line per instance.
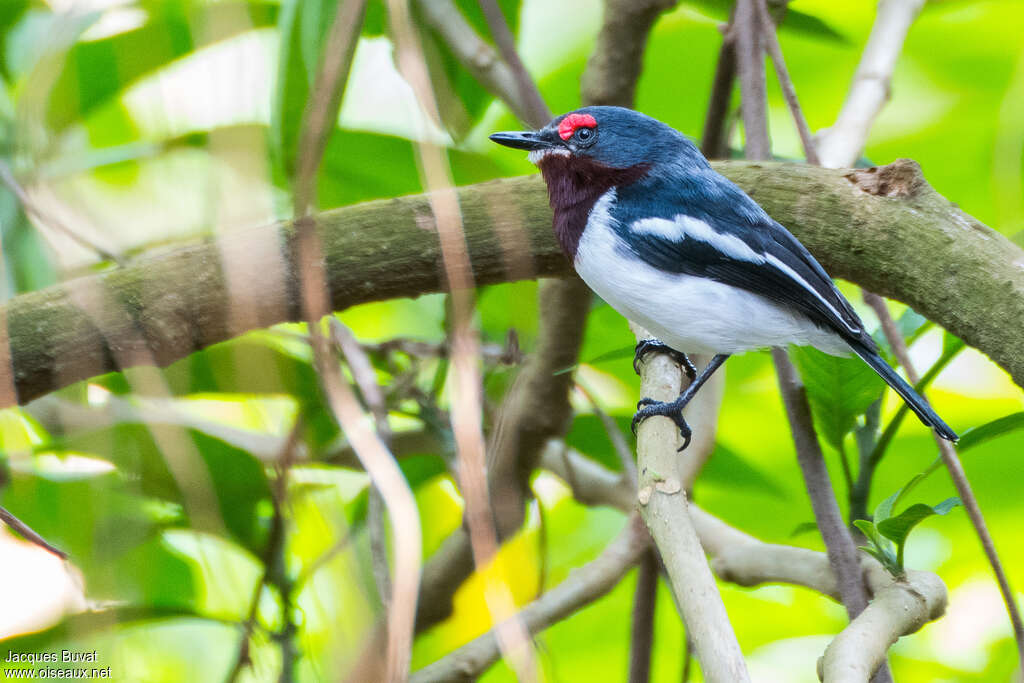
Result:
x=648 y=407
x=645 y=346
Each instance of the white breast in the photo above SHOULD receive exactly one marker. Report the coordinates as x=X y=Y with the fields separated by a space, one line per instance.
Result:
x=690 y=314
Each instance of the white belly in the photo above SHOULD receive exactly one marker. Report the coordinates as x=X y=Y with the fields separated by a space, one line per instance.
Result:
x=690 y=314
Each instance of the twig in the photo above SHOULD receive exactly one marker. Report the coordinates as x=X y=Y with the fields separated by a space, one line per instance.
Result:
x=641 y=634
x=664 y=508
x=771 y=42
x=615 y=435
x=529 y=96
x=366 y=380
x=30 y=206
x=838 y=541
x=318 y=120
x=26 y=532
x=585 y=585
x=273 y=556
x=714 y=143
x=466 y=411
x=371 y=451
x=750 y=64
x=840 y=145
x=479 y=58
x=957 y=474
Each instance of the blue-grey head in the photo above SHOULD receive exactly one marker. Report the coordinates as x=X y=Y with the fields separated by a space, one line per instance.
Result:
x=589 y=151
x=614 y=137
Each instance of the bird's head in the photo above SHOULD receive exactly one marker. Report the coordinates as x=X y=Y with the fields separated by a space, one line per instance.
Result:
x=611 y=137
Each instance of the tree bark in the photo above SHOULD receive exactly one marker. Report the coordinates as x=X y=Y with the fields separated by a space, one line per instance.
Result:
x=885 y=229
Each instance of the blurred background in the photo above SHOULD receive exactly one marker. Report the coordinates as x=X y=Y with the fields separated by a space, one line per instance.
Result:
x=142 y=124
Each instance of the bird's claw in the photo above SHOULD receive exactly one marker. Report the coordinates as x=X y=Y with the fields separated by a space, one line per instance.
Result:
x=645 y=346
x=648 y=407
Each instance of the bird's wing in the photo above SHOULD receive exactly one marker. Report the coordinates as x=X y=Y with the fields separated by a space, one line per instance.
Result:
x=725 y=236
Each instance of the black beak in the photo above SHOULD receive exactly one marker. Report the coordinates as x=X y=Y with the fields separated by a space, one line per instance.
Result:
x=529 y=140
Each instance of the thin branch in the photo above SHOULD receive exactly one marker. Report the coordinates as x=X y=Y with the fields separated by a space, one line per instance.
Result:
x=618 y=440
x=26 y=532
x=771 y=42
x=641 y=634
x=957 y=474
x=750 y=64
x=838 y=542
x=321 y=114
x=273 y=554
x=714 y=143
x=583 y=586
x=664 y=508
x=366 y=380
x=479 y=58
x=529 y=95
x=840 y=145
x=7 y=178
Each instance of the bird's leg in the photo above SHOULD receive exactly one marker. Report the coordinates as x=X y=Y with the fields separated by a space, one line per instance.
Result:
x=645 y=346
x=674 y=409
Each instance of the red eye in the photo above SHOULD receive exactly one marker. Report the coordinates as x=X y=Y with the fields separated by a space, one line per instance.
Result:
x=571 y=122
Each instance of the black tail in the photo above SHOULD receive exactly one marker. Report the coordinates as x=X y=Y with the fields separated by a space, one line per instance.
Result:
x=914 y=400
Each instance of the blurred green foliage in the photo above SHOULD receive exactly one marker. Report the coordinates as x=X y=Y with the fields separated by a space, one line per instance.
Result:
x=157 y=119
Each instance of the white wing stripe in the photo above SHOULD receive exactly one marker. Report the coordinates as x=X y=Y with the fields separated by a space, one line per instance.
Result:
x=688 y=226
x=793 y=275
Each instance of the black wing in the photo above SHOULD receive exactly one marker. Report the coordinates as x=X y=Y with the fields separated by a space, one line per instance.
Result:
x=719 y=232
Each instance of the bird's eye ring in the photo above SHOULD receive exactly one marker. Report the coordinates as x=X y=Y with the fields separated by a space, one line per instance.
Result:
x=583 y=134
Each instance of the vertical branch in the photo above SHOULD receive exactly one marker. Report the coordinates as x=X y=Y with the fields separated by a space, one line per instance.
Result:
x=664 y=508
x=529 y=95
x=842 y=552
x=957 y=474
x=841 y=144
x=839 y=545
x=750 y=63
x=641 y=634
x=714 y=143
x=771 y=42
x=467 y=416
x=378 y=462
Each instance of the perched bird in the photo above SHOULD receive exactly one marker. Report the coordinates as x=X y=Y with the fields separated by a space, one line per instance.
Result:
x=681 y=250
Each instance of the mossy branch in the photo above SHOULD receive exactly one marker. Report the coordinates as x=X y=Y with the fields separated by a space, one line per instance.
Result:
x=884 y=229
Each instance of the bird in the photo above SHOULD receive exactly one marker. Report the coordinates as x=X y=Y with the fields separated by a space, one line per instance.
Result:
x=678 y=248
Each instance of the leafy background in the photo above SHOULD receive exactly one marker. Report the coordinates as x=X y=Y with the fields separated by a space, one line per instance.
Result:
x=144 y=123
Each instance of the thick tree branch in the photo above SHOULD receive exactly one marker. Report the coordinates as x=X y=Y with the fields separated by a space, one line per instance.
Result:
x=885 y=229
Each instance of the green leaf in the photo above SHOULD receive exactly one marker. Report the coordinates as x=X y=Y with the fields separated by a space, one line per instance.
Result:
x=898 y=528
x=238 y=479
x=978 y=435
x=879 y=548
x=839 y=388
